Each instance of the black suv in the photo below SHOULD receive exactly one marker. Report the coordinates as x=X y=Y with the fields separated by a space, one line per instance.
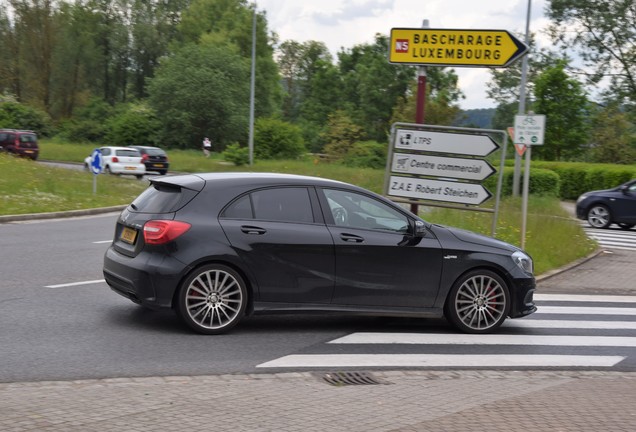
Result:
x=19 y=142
x=154 y=158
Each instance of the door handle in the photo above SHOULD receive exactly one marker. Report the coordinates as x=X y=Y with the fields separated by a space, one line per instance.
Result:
x=253 y=230
x=351 y=238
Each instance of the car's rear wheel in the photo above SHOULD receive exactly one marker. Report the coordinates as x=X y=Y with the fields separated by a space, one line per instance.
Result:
x=479 y=302
x=107 y=170
x=212 y=299
x=626 y=226
x=599 y=216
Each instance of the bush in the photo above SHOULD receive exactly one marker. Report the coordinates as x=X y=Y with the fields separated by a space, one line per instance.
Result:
x=15 y=115
x=542 y=182
x=368 y=154
x=88 y=123
x=236 y=154
x=276 y=139
x=134 y=124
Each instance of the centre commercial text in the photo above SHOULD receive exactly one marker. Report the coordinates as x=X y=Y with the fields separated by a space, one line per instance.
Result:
x=483 y=46
x=446 y=167
x=408 y=187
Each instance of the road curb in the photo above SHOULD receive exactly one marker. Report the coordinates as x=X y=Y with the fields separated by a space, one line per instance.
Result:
x=60 y=214
x=569 y=266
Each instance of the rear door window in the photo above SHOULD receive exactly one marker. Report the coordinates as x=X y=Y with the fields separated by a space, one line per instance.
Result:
x=288 y=204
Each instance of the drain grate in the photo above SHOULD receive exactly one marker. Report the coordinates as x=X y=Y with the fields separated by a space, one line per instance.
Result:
x=351 y=378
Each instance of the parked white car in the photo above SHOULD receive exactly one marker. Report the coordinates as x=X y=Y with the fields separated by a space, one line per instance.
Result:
x=120 y=160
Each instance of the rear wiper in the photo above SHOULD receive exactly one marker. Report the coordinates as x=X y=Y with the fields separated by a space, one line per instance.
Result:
x=134 y=207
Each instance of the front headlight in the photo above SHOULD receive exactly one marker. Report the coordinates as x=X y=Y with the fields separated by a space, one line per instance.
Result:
x=523 y=261
x=581 y=198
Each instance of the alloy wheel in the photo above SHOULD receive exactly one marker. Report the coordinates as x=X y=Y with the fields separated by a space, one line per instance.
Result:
x=599 y=216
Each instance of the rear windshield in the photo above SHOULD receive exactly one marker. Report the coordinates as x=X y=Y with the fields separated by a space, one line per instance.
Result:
x=155 y=152
x=131 y=153
x=162 y=198
x=28 y=138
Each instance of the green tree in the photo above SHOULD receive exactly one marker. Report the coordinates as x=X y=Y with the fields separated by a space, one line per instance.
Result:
x=341 y=134
x=613 y=136
x=230 y=22
x=372 y=86
x=442 y=96
x=134 y=124
x=605 y=34
x=202 y=90
x=564 y=103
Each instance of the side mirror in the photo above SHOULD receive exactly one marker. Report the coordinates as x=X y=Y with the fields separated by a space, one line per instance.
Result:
x=625 y=190
x=420 y=229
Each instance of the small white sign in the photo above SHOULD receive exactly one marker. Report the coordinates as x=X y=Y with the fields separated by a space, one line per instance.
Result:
x=437 y=190
x=529 y=129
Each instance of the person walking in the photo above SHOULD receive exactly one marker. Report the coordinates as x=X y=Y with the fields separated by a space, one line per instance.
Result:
x=207 y=147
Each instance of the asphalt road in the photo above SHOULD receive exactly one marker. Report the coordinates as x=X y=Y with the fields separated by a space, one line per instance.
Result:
x=60 y=321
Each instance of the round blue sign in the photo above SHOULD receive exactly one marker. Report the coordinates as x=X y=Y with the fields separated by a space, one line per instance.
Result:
x=97 y=161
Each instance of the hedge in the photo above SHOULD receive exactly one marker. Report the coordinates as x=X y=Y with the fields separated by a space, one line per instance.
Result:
x=578 y=177
x=542 y=182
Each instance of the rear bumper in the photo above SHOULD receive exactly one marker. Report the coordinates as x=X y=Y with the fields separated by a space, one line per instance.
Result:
x=147 y=279
x=132 y=169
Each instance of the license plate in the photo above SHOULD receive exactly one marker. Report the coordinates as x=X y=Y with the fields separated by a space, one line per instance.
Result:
x=157 y=165
x=130 y=168
x=128 y=235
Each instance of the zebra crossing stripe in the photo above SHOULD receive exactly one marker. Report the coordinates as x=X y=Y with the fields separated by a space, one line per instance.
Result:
x=567 y=310
x=585 y=298
x=439 y=360
x=570 y=324
x=487 y=339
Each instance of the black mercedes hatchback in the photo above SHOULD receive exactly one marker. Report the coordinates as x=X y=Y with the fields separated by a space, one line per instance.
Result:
x=217 y=247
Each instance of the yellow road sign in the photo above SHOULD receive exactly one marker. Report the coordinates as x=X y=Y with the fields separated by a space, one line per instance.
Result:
x=447 y=47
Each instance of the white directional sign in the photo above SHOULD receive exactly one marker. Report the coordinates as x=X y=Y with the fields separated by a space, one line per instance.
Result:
x=436 y=166
x=457 y=143
x=529 y=129
x=437 y=190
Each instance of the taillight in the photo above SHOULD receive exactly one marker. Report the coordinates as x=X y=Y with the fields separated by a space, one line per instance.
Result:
x=144 y=158
x=115 y=160
x=158 y=232
x=17 y=143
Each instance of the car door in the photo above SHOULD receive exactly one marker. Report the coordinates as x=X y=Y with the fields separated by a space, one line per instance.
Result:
x=378 y=261
x=280 y=235
x=625 y=204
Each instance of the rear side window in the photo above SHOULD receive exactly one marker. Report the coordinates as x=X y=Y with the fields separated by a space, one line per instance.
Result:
x=162 y=198
x=289 y=204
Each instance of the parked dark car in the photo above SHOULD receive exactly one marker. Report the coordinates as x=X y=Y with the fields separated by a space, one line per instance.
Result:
x=219 y=246
x=20 y=143
x=155 y=159
x=612 y=206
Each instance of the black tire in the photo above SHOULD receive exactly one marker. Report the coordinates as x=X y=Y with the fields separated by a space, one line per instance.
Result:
x=626 y=226
x=212 y=299
x=139 y=176
x=599 y=216
x=107 y=170
x=479 y=302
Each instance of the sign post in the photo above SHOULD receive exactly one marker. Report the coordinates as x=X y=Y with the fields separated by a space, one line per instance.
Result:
x=97 y=164
x=529 y=131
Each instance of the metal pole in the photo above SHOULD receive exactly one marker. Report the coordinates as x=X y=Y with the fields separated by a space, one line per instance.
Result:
x=524 y=206
x=252 y=88
x=522 y=102
x=420 y=102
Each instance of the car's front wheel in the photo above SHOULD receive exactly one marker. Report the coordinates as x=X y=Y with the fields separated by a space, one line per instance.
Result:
x=212 y=299
x=479 y=302
x=599 y=216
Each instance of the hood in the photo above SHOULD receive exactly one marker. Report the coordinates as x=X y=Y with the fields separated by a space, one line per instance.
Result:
x=478 y=239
